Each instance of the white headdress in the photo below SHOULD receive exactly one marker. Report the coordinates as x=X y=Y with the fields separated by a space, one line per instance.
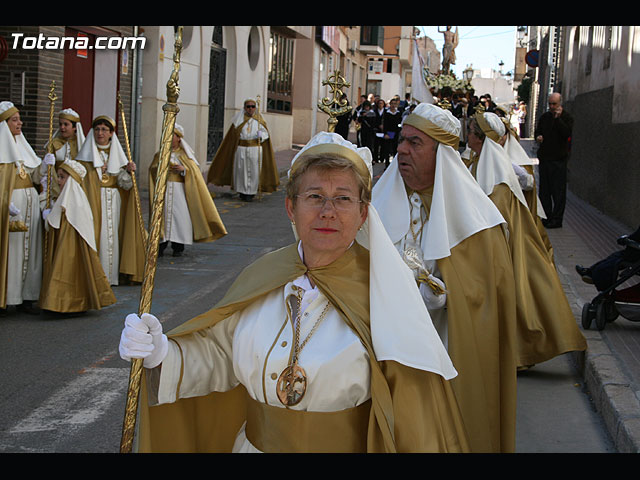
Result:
x=75 y=204
x=494 y=166
x=459 y=207
x=179 y=130
x=401 y=328
x=73 y=116
x=89 y=153
x=14 y=149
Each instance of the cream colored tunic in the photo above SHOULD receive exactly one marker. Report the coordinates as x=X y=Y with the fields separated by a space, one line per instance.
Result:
x=420 y=224
x=248 y=160
x=109 y=239
x=24 y=276
x=177 y=219
x=253 y=347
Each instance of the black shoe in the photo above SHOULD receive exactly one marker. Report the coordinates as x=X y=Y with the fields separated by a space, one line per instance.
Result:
x=29 y=308
x=585 y=273
x=553 y=224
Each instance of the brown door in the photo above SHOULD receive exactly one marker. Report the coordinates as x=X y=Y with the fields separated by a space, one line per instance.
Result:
x=77 y=91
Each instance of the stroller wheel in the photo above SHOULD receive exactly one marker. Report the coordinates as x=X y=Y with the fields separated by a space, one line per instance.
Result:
x=601 y=315
x=587 y=316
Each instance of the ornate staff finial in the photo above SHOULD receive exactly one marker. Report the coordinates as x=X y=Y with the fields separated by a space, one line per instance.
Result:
x=336 y=105
x=444 y=104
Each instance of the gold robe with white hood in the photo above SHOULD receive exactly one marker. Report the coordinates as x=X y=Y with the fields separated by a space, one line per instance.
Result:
x=462 y=239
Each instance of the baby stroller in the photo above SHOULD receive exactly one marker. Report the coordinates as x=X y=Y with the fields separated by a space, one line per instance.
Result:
x=609 y=274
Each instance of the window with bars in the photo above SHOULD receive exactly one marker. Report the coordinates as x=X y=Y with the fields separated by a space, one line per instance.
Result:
x=280 y=77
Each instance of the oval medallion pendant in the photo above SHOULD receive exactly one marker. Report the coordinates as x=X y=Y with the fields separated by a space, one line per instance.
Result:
x=292 y=385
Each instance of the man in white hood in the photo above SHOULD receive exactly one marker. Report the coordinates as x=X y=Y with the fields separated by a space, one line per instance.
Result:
x=453 y=237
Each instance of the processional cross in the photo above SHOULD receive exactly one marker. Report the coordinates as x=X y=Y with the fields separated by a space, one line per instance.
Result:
x=336 y=105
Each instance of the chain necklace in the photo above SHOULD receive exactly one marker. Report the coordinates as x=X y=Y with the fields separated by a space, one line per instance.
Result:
x=292 y=383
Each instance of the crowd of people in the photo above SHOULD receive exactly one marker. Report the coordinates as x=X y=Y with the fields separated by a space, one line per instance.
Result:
x=71 y=219
x=396 y=322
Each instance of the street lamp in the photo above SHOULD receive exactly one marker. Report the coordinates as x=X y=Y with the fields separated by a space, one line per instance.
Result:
x=521 y=32
x=468 y=73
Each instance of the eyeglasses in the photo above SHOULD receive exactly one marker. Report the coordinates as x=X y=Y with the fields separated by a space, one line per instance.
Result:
x=317 y=201
x=250 y=106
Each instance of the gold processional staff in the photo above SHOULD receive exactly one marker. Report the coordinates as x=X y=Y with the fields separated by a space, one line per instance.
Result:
x=336 y=105
x=170 y=111
x=136 y=193
x=50 y=149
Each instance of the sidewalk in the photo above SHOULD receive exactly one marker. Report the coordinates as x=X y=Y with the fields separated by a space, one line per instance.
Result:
x=611 y=365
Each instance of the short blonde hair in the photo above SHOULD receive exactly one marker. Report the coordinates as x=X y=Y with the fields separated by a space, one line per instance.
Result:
x=326 y=162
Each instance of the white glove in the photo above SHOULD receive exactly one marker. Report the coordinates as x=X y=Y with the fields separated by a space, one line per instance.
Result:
x=525 y=179
x=432 y=300
x=49 y=159
x=45 y=213
x=142 y=337
x=13 y=210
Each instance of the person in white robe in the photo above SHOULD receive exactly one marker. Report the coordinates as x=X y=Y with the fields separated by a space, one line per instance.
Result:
x=103 y=150
x=245 y=159
x=178 y=229
x=340 y=370
x=21 y=248
x=248 y=158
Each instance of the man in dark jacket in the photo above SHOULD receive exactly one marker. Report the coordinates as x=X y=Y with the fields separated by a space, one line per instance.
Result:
x=553 y=133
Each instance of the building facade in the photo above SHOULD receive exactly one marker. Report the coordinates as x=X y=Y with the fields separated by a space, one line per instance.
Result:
x=596 y=69
x=86 y=79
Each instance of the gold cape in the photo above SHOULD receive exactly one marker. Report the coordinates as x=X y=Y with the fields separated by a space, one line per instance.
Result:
x=58 y=143
x=207 y=224
x=221 y=169
x=131 y=241
x=7 y=180
x=412 y=410
x=481 y=307
x=531 y=196
x=546 y=325
x=73 y=280
x=132 y=248
x=91 y=186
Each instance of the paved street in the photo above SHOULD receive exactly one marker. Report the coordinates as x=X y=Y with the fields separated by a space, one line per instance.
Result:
x=64 y=385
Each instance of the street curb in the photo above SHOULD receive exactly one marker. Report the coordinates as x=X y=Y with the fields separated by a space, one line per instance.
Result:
x=611 y=394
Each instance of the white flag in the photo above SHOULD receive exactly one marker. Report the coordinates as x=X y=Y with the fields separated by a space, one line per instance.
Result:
x=419 y=89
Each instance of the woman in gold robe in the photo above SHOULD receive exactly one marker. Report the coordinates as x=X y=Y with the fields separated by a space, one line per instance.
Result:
x=74 y=280
x=65 y=144
x=108 y=184
x=20 y=224
x=546 y=326
x=312 y=355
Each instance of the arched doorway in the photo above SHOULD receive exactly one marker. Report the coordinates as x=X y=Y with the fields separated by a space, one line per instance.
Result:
x=217 y=72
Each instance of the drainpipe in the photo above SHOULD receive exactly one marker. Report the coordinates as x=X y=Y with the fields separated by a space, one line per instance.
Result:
x=136 y=96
